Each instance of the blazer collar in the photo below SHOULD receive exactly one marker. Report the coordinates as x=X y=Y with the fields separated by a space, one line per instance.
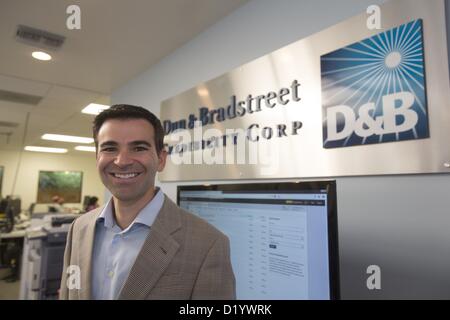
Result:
x=85 y=253
x=156 y=254
x=146 y=216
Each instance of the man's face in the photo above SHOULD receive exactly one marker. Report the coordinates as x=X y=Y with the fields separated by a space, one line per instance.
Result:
x=127 y=160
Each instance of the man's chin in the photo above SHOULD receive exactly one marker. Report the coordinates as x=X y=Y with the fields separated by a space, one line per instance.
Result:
x=126 y=198
x=128 y=194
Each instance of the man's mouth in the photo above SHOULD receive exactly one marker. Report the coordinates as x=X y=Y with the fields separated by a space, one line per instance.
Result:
x=130 y=175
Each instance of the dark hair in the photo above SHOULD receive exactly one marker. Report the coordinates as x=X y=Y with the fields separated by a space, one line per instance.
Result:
x=92 y=201
x=124 y=112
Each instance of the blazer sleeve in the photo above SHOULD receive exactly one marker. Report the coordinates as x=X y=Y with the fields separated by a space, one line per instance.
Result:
x=216 y=280
x=63 y=290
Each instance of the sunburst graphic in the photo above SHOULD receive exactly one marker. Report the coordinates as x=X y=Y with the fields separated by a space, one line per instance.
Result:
x=364 y=72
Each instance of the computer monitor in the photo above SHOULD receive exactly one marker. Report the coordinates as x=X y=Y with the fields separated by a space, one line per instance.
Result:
x=10 y=207
x=31 y=208
x=283 y=236
x=10 y=221
x=3 y=205
x=15 y=204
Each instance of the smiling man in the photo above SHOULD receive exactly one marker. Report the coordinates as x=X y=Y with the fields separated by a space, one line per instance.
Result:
x=141 y=245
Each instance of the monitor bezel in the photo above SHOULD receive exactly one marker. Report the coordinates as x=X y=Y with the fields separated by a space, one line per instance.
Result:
x=303 y=186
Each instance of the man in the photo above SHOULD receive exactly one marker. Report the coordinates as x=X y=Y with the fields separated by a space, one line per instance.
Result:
x=141 y=245
x=58 y=205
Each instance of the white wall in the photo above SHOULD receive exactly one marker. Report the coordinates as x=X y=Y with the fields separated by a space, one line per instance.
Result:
x=400 y=223
x=32 y=162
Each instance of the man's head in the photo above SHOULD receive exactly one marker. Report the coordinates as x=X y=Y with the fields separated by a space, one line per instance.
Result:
x=129 y=149
x=126 y=112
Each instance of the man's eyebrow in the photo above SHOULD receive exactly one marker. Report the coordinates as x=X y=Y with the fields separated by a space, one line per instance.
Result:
x=139 y=142
x=108 y=143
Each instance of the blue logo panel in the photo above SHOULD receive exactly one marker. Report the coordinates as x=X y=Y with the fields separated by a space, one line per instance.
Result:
x=373 y=91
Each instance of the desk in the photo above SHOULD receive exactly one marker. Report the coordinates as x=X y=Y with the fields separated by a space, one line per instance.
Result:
x=13 y=234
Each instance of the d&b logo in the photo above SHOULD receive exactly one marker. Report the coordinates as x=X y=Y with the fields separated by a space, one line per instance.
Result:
x=373 y=91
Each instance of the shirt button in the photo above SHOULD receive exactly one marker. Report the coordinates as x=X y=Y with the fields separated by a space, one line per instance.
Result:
x=111 y=274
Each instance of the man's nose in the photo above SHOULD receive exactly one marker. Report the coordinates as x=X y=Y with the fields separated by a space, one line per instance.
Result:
x=123 y=159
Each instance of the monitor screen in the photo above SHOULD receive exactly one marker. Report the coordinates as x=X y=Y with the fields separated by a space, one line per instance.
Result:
x=283 y=236
x=12 y=203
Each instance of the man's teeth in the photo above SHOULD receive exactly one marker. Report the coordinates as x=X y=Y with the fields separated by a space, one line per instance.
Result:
x=125 y=176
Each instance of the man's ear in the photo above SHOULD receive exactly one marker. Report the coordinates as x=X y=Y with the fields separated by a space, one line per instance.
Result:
x=162 y=160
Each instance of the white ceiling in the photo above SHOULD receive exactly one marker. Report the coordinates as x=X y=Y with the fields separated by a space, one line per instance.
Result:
x=118 y=40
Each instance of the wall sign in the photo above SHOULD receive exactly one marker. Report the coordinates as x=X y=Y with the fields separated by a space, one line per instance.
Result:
x=345 y=101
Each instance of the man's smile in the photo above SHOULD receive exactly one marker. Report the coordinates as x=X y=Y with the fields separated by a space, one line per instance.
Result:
x=125 y=176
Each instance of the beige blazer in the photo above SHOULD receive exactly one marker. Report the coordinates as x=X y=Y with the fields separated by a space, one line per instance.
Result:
x=183 y=257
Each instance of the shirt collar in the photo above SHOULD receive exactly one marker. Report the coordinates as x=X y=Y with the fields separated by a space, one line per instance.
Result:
x=146 y=216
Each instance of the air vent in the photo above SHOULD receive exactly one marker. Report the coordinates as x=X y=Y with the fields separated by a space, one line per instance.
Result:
x=19 y=97
x=41 y=38
x=9 y=124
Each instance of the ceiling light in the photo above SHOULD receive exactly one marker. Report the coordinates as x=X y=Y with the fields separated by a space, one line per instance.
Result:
x=61 y=137
x=203 y=92
x=41 y=55
x=85 y=148
x=45 y=149
x=94 y=108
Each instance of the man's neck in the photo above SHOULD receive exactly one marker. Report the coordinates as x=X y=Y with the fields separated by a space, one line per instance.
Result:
x=126 y=211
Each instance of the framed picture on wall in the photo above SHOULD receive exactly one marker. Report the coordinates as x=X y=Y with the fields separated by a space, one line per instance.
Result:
x=65 y=184
x=1 y=179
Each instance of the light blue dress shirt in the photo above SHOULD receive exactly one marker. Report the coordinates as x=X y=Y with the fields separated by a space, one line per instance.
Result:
x=115 y=250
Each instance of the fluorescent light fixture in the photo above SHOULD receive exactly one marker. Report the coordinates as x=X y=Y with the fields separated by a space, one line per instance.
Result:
x=45 y=149
x=41 y=55
x=85 y=148
x=94 y=108
x=61 y=137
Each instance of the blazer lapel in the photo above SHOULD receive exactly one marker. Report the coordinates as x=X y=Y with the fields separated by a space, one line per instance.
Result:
x=156 y=254
x=86 y=241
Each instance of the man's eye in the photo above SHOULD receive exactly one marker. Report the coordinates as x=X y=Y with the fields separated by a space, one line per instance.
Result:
x=140 y=149
x=110 y=149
